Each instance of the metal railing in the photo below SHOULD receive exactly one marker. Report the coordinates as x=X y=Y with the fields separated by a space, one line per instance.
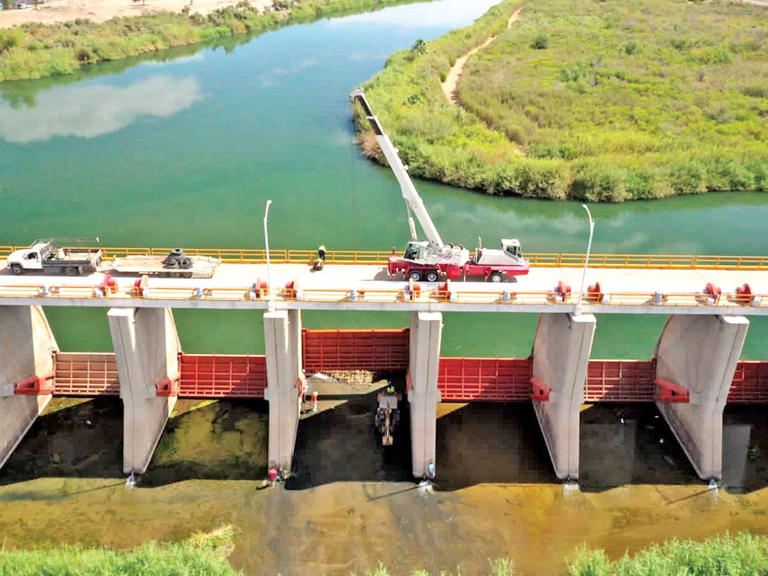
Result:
x=380 y=257
x=390 y=296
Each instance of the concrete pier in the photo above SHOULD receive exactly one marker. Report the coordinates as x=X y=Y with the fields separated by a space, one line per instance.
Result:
x=147 y=351
x=285 y=381
x=699 y=354
x=423 y=395
x=27 y=345
x=561 y=352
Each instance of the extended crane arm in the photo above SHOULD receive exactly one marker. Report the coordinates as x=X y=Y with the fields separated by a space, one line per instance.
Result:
x=410 y=195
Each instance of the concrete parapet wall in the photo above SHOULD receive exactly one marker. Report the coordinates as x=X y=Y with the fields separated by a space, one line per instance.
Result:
x=285 y=377
x=561 y=352
x=147 y=350
x=423 y=396
x=27 y=345
x=700 y=353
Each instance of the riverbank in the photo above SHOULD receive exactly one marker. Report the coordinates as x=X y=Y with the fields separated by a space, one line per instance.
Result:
x=606 y=101
x=60 y=11
x=352 y=504
x=205 y=554
x=202 y=554
x=36 y=50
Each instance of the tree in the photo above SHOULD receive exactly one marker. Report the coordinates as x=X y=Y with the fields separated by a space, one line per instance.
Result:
x=419 y=47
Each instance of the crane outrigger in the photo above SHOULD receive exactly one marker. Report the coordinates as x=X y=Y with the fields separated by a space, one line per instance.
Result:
x=429 y=260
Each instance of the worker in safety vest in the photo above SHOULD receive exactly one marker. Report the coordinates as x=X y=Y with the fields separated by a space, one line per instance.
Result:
x=321 y=252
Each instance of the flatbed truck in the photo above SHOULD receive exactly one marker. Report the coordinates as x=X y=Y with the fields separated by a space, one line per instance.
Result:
x=49 y=257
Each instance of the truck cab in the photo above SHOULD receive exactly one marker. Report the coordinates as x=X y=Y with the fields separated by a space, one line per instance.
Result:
x=416 y=250
x=29 y=258
x=512 y=248
x=47 y=257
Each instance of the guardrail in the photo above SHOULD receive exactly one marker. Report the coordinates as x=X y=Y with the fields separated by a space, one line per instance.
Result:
x=408 y=295
x=380 y=257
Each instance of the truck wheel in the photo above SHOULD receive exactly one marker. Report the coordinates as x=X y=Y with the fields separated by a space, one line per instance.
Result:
x=431 y=276
x=496 y=277
x=16 y=269
x=70 y=271
x=414 y=275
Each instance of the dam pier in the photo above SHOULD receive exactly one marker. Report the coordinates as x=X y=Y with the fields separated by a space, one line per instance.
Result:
x=695 y=371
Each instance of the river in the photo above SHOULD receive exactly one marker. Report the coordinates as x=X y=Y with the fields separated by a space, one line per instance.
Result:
x=184 y=148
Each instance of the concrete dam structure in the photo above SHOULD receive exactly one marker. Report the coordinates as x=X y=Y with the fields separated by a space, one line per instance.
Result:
x=694 y=372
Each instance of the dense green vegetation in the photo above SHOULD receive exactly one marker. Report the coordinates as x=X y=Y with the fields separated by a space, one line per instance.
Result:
x=206 y=554
x=742 y=555
x=37 y=50
x=200 y=555
x=600 y=100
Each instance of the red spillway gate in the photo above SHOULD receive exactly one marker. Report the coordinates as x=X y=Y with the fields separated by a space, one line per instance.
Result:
x=86 y=374
x=459 y=379
x=222 y=376
x=620 y=381
x=484 y=379
x=329 y=350
x=750 y=383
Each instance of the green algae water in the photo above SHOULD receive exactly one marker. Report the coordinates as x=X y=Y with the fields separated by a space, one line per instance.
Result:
x=185 y=147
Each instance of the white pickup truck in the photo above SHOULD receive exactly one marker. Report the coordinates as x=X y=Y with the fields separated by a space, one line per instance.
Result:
x=46 y=257
x=43 y=256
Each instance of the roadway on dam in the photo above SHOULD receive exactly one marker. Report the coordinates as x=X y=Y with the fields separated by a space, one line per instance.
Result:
x=622 y=290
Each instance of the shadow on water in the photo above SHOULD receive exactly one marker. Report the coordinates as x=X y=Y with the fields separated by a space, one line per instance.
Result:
x=621 y=444
x=73 y=438
x=632 y=444
x=625 y=444
x=340 y=443
x=215 y=440
x=499 y=443
x=202 y=440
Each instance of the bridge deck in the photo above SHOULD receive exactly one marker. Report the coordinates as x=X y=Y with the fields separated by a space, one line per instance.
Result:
x=344 y=287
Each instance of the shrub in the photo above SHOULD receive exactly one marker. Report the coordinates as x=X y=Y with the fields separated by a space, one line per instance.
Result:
x=726 y=175
x=533 y=178
x=541 y=42
x=688 y=177
x=11 y=38
x=630 y=48
x=599 y=182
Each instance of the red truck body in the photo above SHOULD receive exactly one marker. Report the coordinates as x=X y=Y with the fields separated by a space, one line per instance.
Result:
x=398 y=264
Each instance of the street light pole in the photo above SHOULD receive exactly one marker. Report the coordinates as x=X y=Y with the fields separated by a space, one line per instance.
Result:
x=586 y=259
x=266 y=244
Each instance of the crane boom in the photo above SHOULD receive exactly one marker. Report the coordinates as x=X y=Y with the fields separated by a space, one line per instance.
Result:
x=412 y=199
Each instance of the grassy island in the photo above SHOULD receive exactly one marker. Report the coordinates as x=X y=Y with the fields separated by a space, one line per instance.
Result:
x=600 y=100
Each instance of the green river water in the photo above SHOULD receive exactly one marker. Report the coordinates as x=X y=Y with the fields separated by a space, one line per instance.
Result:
x=184 y=148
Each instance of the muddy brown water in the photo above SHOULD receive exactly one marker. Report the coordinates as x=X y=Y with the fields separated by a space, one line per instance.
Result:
x=352 y=504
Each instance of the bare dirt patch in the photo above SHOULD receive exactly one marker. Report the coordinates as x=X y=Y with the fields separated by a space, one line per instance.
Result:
x=102 y=10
